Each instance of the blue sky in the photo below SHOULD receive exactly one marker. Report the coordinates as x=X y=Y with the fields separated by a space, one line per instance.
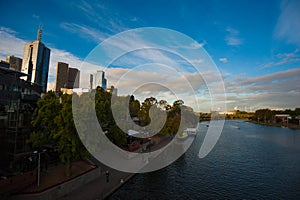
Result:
x=255 y=44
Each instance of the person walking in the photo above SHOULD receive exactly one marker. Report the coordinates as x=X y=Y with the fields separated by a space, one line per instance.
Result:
x=107 y=176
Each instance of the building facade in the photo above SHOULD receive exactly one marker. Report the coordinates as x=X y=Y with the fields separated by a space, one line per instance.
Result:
x=18 y=100
x=4 y=64
x=61 y=76
x=36 y=62
x=66 y=77
x=112 y=90
x=14 y=62
x=98 y=79
x=73 y=78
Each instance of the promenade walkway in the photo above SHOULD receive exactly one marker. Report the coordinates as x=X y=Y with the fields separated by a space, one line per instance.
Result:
x=57 y=175
x=98 y=188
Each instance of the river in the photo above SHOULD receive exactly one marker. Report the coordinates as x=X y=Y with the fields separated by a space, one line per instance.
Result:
x=253 y=162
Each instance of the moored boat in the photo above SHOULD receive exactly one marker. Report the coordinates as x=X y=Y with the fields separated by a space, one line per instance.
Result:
x=182 y=136
x=191 y=131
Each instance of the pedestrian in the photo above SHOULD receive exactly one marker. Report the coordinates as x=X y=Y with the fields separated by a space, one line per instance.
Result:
x=107 y=176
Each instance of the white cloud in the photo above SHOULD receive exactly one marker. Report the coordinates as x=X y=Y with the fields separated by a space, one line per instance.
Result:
x=169 y=85
x=277 y=90
x=196 y=61
x=288 y=23
x=232 y=38
x=10 y=44
x=223 y=60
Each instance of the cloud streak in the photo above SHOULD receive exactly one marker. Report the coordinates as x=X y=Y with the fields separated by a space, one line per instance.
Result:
x=232 y=38
x=288 y=24
x=104 y=17
x=85 y=32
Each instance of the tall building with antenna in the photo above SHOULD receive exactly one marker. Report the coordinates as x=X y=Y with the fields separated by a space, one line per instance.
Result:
x=35 y=63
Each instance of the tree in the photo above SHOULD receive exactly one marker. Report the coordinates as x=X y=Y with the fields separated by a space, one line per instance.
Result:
x=163 y=104
x=178 y=103
x=297 y=111
x=54 y=125
x=102 y=107
x=263 y=115
x=47 y=109
x=134 y=106
x=69 y=144
x=143 y=113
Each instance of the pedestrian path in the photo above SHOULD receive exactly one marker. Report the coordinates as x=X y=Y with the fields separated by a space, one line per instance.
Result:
x=57 y=175
x=100 y=188
x=102 y=185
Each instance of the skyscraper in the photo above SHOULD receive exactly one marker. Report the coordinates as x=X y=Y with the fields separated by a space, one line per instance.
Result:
x=98 y=79
x=73 y=78
x=66 y=77
x=61 y=76
x=36 y=62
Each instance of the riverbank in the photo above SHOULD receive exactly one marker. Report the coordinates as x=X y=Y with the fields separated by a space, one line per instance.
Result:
x=290 y=126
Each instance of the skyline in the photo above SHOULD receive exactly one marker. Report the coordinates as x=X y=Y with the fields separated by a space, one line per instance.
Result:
x=254 y=45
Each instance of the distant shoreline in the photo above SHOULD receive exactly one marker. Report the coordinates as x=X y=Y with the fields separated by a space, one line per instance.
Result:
x=290 y=126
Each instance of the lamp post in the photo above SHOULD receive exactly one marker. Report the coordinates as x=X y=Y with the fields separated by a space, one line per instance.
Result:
x=39 y=165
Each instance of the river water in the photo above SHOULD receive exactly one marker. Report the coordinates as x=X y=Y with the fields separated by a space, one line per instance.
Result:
x=253 y=162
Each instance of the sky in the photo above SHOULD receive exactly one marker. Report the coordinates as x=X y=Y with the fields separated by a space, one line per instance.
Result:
x=255 y=45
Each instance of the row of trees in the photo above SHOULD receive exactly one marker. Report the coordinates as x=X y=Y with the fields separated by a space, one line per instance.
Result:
x=237 y=115
x=267 y=115
x=53 y=122
x=240 y=115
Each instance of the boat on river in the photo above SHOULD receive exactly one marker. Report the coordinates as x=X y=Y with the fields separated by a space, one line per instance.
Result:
x=187 y=132
x=233 y=126
x=191 y=131
x=182 y=136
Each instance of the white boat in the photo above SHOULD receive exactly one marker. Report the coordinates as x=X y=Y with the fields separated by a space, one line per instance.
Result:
x=187 y=132
x=232 y=126
x=191 y=131
x=182 y=136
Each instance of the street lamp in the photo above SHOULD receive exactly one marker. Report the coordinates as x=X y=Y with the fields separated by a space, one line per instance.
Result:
x=39 y=165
